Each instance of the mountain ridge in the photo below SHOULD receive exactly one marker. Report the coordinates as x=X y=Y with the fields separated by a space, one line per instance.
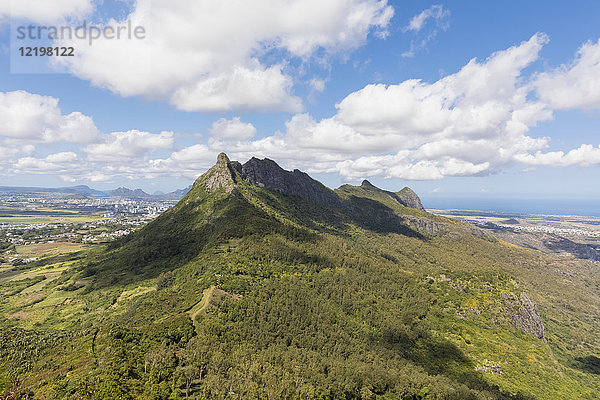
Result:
x=243 y=291
x=266 y=173
x=87 y=191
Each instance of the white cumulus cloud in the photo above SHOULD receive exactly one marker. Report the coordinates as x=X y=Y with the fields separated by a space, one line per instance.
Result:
x=585 y=155
x=232 y=129
x=473 y=122
x=30 y=117
x=44 y=11
x=206 y=55
x=573 y=86
x=128 y=146
x=468 y=123
x=54 y=163
x=187 y=162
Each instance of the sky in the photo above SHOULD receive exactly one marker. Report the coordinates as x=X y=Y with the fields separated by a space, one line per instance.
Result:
x=455 y=99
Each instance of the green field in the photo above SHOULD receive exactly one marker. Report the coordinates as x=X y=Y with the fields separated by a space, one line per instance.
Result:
x=47 y=249
x=22 y=215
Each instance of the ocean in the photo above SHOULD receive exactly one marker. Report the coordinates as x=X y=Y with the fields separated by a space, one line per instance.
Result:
x=585 y=207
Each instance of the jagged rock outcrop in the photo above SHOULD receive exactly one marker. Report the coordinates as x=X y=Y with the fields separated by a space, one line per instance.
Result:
x=489 y=367
x=425 y=225
x=367 y=184
x=266 y=173
x=406 y=196
x=526 y=316
x=410 y=199
x=219 y=177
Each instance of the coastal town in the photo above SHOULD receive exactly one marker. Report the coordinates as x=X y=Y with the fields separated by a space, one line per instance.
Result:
x=554 y=230
x=572 y=235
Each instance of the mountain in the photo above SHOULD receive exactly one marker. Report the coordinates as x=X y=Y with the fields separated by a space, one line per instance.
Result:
x=409 y=198
x=174 y=195
x=81 y=189
x=137 y=194
x=263 y=283
x=130 y=194
x=267 y=174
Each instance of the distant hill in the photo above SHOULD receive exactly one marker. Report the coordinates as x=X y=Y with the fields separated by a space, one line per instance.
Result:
x=262 y=283
x=132 y=194
x=175 y=195
x=81 y=189
x=87 y=191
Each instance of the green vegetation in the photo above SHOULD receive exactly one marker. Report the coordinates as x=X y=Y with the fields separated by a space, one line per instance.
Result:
x=16 y=215
x=250 y=294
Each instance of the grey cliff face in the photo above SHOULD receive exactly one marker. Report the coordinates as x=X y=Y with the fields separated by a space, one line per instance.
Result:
x=425 y=225
x=524 y=314
x=267 y=174
x=219 y=177
x=528 y=318
x=410 y=199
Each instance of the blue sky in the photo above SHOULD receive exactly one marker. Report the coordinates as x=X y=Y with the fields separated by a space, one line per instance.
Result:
x=455 y=99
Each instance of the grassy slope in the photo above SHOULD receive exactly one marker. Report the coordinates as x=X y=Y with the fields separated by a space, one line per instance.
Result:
x=315 y=302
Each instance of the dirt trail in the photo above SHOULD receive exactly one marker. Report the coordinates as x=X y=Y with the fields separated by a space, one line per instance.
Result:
x=206 y=296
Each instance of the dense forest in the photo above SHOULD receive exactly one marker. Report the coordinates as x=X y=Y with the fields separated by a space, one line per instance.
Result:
x=241 y=292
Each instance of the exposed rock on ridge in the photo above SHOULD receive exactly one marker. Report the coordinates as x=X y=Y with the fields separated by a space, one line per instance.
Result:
x=525 y=315
x=266 y=173
x=528 y=318
x=409 y=198
x=219 y=176
x=406 y=196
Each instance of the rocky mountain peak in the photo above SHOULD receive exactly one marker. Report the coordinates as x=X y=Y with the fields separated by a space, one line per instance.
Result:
x=406 y=196
x=268 y=174
x=367 y=184
x=219 y=177
x=222 y=159
x=410 y=199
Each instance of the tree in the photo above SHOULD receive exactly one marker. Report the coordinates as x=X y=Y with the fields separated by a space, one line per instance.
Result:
x=194 y=359
x=188 y=373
